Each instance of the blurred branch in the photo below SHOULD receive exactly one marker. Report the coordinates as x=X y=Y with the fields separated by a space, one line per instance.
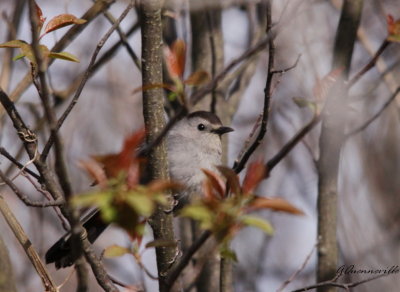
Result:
x=198 y=95
x=330 y=143
x=370 y=64
x=298 y=271
x=69 y=36
x=27 y=246
x=124 y=40
x=13 y=25
x=333 y=283
x=82 y=84
x=375 y=116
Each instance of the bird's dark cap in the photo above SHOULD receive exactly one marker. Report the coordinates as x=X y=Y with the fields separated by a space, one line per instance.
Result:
x=209 y=116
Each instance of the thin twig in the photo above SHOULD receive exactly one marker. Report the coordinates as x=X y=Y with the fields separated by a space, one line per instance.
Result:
x=370 y=64
x=375 y=116
x=298 y=271
x=25 y=168
x=27 y=246
x=238 y=166
x=85 y=78
x=333 y=283
x=24 y=198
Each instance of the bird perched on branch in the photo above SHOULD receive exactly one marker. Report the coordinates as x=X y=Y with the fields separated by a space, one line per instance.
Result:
x=194 y=143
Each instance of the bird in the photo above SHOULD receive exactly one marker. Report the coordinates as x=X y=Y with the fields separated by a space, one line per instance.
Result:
x=194 y=143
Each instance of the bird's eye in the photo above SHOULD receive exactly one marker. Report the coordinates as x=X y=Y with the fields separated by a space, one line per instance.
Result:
x=201 y=127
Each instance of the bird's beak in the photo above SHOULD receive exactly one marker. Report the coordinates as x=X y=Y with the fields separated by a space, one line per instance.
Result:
x=222 y=130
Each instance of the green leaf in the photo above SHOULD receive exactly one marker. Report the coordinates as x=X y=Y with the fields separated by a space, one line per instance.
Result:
x=257 y=222
x=17 y=57
x=13 y=44
x=92 y=199
x=141 y=203
x=116 y=251
x=199 y=213
x=227 y=253
x=301 y=102
x=64 y=56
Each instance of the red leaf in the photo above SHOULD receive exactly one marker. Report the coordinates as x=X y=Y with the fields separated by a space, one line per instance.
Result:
x=40 y=17
x=215 y=183
x=276 y=204
x=61 y=21
x=322 y=87
x=175 y=59
x=256 y=172
x=95 y=170
x=124 y=160
x=393 y=28
x=231 y=178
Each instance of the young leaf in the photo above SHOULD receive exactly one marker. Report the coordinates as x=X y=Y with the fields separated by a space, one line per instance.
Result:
x=301 y=102
x=257 y=222
x=231 y=178
x=199 y=213
x=175 y=59
x=276 y=204
x=115 y=251
x=62 y=21
x=17 y=57
x=141 y=203
x=393 y=29
x=255 y=174
x=13 y=44
x=216 y=182
x=64 y=56
x=197 y=78
x=227 y=253
x=41 y=18
x=95 y=170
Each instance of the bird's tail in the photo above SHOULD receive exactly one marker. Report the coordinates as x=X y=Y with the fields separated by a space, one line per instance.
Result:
x=61 y=252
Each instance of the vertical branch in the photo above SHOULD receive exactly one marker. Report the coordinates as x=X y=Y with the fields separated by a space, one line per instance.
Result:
x=153 y=114
x=332 y=134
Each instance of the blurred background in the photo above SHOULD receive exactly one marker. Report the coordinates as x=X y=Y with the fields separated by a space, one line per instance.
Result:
x=369 y=188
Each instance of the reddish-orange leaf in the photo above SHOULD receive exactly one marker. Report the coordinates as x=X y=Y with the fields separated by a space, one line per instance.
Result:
x=276 y=204
x=393 y=28
x=61 y=21
x=322 y=87
x=137 y=234
x=41 y=18
x=231 y=178
x=175 y=59
x=256 y=172
x=215 y=182
x=123 y=161
x=197 y=78
x=95 y=170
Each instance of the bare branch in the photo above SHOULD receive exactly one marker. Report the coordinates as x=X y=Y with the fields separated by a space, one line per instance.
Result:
x=25 y=168
x=27 y=246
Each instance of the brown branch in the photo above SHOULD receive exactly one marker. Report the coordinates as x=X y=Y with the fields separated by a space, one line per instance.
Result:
x=291 y=144
x=176 y=270
x=7 y=155
x=238 y=166
x=375 y=116
x=96 y=9
x=370 y=64
x=198 y=95
x=24 y=198
x=82 y=84
x=333 y=283
x=27 y=246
